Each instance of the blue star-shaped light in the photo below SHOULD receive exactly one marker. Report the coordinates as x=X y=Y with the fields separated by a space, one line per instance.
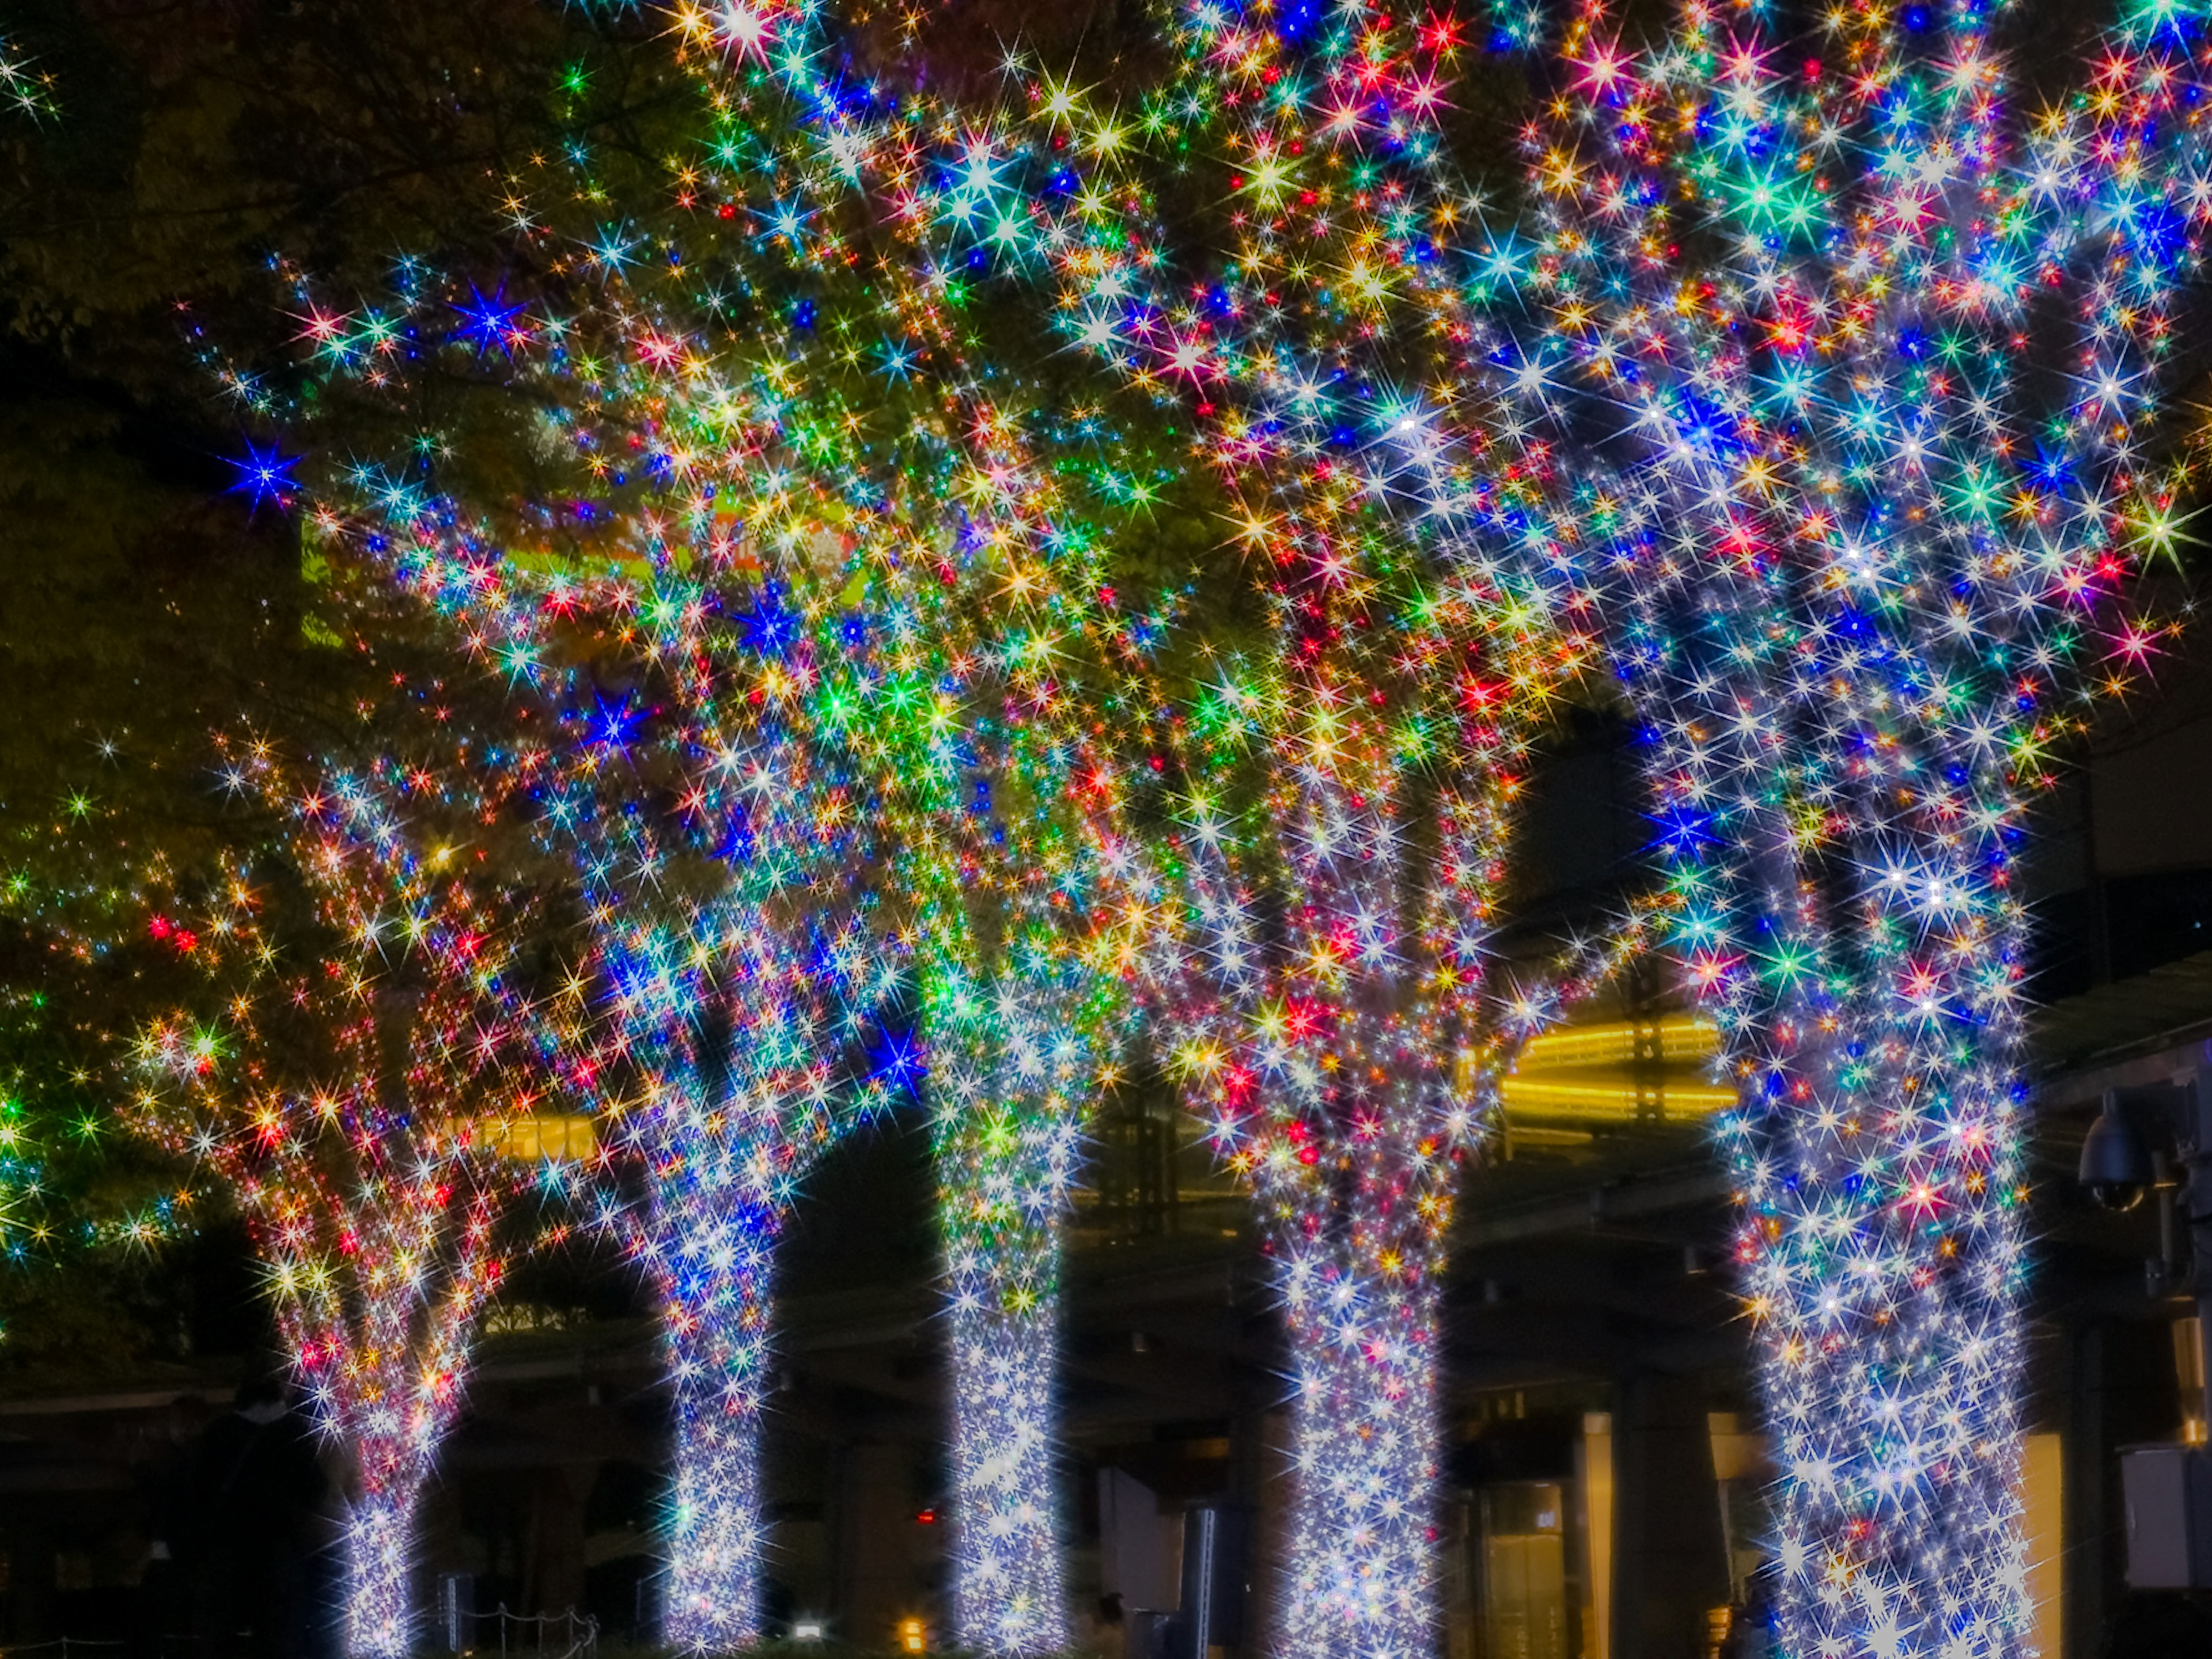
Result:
x=488 y=322
x=895 y=1058
x=770 y=627
x=263 y=475
x=611 y=724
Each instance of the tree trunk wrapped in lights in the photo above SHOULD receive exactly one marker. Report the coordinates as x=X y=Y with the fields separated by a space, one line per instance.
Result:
x=1011 y=1071
x=726 y=1137
x=726 y=1145
x=355 y=1098
x=717 y=1291
x=1311 y=942
x=1015 y=1002
x=732 y=973
x=1367 y=1439
x=1853 y=564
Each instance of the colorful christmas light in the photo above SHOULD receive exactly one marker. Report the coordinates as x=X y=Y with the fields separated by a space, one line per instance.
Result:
x=730 y=963
x=918 y=603
x=721 y=1017
x=738 y=594
x=1843 y=565
x=350 y=1091
x=24 y=88
x=1788 y=478
x=1862 y=570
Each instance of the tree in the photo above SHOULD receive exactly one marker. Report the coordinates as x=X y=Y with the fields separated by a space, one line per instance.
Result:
x=353 y=1082
x=734 y=968
x=1315 y=890
x=1857 y=554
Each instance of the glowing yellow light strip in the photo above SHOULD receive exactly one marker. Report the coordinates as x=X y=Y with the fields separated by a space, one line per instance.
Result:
x=1583 y=1073
x=1679 y=1036
x=1612 y=1103
x=567 y=1136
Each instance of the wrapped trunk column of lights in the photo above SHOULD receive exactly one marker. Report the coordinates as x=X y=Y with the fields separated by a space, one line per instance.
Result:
x=725 y=1020
x=1010 y=1072
x=725 y=1143
x=354 y=1105
x=1316 y=967
x=1857 y=572
x=965 y=713
x=726 y=1006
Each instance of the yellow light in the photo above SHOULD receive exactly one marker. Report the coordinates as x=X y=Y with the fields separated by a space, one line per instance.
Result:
x=567 y=1135
x=1678 y=1037
x=1619 y=1071
x=913 y=1636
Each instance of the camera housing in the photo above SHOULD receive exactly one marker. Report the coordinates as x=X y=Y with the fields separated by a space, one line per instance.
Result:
x=2116 y=1164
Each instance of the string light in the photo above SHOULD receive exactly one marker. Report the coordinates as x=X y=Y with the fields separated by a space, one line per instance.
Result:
x=723 y=1013
x=1790 y=480
x=801 y=696
x=24 y=88
x=350 y=1100
x=1846 y=567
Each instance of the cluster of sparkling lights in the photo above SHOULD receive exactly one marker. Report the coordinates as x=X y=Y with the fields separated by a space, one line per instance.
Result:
x=805 y=657
x=347 y=1085
x=1846 y=567
x=1313 y=956
x=710 y=1028
x=731 y=965
x=24 y=88
x=1736 y=401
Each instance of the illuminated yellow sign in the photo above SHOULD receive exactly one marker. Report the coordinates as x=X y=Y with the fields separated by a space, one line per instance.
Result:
x=1629 y=1071
x=569 y=1137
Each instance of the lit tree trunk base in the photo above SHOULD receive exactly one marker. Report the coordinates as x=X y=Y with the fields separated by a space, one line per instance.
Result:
x=1009 y=1596
x=380 y=1571
x=1885 y=1263
x=1004 y=1201
x=1359 y=1576
x=717 y=1315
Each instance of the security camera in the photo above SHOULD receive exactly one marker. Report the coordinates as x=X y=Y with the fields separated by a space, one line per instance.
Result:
x=2115 y=1163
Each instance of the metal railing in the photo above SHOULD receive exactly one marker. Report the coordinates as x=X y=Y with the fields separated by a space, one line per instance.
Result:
x=534 y=1633
x=566 y=1634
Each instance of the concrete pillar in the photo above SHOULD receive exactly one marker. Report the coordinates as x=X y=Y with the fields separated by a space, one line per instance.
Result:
x=1594 y=1475
x=1271 y=1532
x=1669 y=1560
x=2083 y=1506
x=553 y=1568
x=875 y=1577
